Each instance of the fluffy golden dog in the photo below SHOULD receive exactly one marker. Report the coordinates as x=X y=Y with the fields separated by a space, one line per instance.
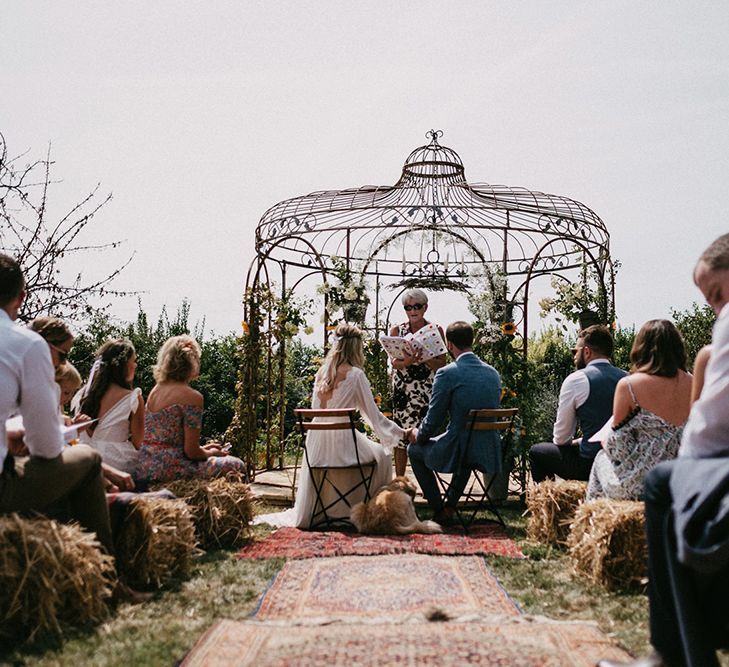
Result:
x=391 y=512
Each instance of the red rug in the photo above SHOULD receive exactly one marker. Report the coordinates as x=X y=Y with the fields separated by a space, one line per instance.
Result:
x=388 y=587
x=482 y=539
x=503 y=644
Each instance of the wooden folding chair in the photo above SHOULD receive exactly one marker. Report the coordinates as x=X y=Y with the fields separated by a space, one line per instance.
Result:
x=475 y=497
x=323 y=477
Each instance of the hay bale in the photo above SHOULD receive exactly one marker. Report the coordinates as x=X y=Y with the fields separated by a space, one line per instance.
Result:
x=551 y=505
x=156 y=542
x=607 y=543
x=222 y=508
x=52 y=576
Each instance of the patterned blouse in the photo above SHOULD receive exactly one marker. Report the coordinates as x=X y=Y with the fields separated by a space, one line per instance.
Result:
x=632 y=449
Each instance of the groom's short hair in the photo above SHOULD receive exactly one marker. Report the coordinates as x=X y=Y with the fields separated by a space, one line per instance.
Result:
x=460 y=334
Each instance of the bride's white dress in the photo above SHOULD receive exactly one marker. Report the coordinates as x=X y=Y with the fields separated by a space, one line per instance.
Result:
x=111 y=435
x=335 y=448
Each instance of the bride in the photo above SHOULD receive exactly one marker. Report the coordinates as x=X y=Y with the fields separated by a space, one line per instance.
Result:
x=341 y=383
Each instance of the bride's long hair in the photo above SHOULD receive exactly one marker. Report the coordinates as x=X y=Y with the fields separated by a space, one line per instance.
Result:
x=347 y=349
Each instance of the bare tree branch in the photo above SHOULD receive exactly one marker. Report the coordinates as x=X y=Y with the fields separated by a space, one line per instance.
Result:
x=46 y=249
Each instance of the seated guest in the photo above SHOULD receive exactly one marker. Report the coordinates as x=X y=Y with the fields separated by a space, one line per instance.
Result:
x=586 y=398
x=650 y=408
x=110 y=397
x=464 y=385
x=171 y=448
x=341 y=383
x=687 y=508
x=69 y=380
x=51 y=473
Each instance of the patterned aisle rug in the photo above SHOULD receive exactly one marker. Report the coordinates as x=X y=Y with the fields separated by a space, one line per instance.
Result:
x=482 y=539
x=384 y=586
x=507 y=644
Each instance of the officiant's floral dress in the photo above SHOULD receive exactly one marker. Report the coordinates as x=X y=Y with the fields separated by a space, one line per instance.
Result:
x=411 y=389
x=162 y=454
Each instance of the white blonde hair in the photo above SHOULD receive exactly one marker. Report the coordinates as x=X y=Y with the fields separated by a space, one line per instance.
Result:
x=347 y=349
x=414 y=294
x=177 y=359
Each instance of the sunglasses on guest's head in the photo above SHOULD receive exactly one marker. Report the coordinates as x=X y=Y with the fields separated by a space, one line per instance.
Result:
x=415 y=306
x=62 y=354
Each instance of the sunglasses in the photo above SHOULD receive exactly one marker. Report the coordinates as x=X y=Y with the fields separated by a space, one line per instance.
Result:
x=62 y=354
x=415 y=306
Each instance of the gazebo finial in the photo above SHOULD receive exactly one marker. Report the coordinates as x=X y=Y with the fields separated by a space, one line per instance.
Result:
x=434 y=135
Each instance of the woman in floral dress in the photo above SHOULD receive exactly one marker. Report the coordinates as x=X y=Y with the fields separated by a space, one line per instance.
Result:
x=412 y=380
x=171 y=448
x=650 y=408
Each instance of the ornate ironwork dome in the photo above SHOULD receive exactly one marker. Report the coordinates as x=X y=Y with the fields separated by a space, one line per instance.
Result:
x=434 y=229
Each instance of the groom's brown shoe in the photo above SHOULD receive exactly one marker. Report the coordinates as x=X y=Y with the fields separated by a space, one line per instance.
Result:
x=652 y=660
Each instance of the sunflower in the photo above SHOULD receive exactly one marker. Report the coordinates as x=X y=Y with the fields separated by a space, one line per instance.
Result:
x=508 y=328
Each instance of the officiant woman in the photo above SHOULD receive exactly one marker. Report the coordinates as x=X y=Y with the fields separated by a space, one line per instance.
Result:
x=412 y=379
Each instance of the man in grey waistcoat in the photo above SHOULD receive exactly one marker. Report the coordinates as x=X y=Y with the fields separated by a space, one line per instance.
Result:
x=586 y=397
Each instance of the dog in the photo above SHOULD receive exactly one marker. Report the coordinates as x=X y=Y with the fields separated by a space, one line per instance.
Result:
x=391 y=512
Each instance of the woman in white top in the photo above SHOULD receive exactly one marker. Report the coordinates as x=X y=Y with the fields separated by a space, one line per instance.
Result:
x=119 y=408
x=341 y=383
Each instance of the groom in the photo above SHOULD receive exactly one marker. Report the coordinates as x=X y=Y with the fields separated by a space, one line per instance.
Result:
x=465 y=385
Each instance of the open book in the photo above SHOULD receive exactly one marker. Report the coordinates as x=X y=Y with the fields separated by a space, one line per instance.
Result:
x=70 y=432
x=426 y=341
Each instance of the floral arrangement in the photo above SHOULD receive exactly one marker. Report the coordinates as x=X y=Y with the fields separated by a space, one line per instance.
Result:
x=346 y=292
x=491 y=307
x=575 y=301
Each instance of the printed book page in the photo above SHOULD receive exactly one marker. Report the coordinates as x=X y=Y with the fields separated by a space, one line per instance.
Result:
x=396 y=346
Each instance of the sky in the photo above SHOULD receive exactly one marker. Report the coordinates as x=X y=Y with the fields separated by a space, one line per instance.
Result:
x=199 y=116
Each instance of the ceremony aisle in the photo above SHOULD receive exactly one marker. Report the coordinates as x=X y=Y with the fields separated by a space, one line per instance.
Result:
x=405 y=609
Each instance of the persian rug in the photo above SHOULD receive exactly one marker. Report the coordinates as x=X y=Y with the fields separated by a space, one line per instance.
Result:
x=482 y=539
x=384 y=586
x=507 y=644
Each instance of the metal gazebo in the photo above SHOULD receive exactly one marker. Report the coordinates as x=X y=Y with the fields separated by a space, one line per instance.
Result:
x=431 y=229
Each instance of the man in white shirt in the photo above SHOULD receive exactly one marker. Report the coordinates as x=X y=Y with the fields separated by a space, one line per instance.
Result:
x=53 y=474
x=586 y=397
x=687 y=508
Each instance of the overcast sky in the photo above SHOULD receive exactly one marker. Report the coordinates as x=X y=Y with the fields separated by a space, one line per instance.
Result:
x=199 y=116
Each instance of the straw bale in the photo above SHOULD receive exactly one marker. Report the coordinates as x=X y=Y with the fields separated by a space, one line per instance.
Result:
x=52 y=576
x=156 y=542
x=551 y=505
x=607 y=543
x=222 y=508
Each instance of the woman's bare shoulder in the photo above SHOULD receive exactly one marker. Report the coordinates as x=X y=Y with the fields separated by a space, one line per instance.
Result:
x=163 y=396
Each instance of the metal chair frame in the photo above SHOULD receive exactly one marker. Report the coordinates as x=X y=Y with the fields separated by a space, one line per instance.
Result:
x=320 y=514
x=491 y=419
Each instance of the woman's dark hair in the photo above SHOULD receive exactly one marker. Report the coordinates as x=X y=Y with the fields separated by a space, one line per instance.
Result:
x=658 y=349
x=52 y=329
x=111 y=359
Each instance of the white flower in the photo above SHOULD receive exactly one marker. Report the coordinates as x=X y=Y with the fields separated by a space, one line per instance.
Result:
x=308 y=330
x=350 y=293
x=324 y=288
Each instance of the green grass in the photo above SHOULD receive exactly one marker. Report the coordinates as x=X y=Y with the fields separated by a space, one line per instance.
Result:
x=161 y=631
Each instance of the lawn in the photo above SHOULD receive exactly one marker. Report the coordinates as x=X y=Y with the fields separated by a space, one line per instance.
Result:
x=161 y=631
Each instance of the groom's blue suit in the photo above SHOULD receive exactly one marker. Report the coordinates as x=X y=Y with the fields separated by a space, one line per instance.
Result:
x=467 y=384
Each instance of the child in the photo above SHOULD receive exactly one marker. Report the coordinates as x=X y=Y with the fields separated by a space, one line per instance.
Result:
x=69 y=381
